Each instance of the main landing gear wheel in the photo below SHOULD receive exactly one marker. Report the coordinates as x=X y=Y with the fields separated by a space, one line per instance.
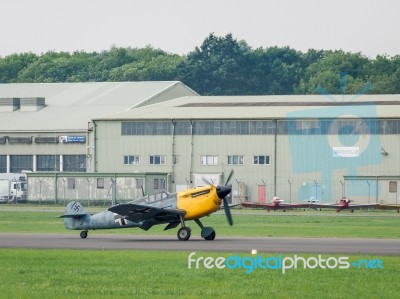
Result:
x=83 y=234
x=210 y=237
x=208 y=233
x=184 y=233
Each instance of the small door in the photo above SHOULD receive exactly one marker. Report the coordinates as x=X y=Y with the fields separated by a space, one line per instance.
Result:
x=262 y=193
x=393 y=192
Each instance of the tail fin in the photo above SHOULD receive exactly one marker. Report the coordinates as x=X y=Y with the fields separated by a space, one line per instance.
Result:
x=75 y=216
x=74 y=210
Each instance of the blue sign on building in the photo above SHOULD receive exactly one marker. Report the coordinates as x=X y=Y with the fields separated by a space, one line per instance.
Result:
x=73 y=139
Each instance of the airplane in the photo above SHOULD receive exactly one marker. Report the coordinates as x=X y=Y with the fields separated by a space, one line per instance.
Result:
x=344 y=204
x=276 y=204
x=172 y=209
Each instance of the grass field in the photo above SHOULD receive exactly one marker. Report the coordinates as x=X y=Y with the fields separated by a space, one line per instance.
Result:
x=138 y=274
x=30 y=273
x=383 y=224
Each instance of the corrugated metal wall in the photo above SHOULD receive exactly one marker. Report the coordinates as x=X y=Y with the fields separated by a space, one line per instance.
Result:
x=301 y=166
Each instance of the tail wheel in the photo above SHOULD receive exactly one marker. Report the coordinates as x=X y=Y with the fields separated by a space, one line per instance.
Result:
x=184 y=233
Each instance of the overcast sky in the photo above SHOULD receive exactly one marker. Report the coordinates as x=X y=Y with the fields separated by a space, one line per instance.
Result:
x=371 y=27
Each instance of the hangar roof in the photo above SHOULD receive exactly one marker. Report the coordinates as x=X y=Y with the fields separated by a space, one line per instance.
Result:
x=70 y=106
x=267 y=107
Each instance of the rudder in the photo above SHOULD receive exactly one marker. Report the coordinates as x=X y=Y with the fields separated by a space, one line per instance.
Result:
x=74 y=210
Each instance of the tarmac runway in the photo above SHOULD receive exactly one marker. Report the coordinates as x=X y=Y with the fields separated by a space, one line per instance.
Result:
x=228 y=244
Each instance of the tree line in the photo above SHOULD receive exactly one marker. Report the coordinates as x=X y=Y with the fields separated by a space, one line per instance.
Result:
x=221 y=65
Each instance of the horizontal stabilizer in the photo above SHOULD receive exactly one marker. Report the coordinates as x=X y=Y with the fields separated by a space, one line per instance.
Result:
x=72 y=216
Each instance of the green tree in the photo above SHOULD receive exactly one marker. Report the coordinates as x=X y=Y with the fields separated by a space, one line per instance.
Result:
x=218 y=67
x=276 y=70
x=384 y=75
x=325 y=73
x=12 y=65
x=59 y=67
x=149 y=65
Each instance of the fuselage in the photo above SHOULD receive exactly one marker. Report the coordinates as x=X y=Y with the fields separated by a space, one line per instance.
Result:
x=102 y=220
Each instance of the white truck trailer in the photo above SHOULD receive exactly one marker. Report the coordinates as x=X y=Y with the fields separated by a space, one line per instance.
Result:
x=13 y=188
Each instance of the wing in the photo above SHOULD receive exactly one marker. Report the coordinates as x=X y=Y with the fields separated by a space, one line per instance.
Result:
x=363 y=206
x=148 y=215
x=295 y=205
x=337 y=206
x=320 y=206
x=390 y=207
x=256 y=205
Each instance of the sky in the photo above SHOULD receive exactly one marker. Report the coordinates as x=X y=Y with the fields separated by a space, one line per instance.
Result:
x=371 y=27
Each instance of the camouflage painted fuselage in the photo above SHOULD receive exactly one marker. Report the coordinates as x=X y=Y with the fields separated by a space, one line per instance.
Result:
x=102 y=220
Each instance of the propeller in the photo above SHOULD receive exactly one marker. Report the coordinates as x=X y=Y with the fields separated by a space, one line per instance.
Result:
x=227 y=211
x=222 y=192
x=229 y=177
x=207 y=181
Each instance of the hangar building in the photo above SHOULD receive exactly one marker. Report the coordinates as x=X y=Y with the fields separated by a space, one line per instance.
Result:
x=300 y=148
x=47 y=128
x=119 y=139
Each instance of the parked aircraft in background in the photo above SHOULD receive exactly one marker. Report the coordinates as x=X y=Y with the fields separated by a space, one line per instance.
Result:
x=172 y=209
x=276 y=204
x=344 y=204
